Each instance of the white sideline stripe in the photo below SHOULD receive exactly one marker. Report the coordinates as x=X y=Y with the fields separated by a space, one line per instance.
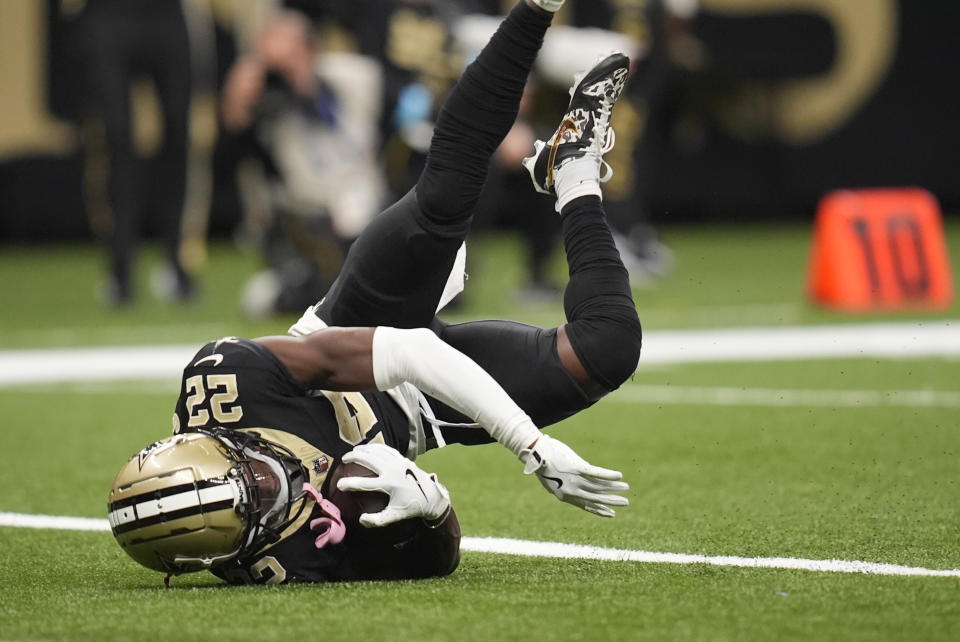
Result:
x=576 y=551
x=528 y=548
x=886 y=340
x=107 y=363
x=927 y=338
x=730 y=396
x=53 y=522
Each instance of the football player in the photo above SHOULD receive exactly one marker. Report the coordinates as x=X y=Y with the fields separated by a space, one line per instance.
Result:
x=371 y=377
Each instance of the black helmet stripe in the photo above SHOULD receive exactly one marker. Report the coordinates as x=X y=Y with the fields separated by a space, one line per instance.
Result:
x=171 y=516
x=156 y=507
x=160 y=493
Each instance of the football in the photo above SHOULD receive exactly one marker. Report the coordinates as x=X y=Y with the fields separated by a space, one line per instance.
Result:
x=352 y=504
x=391 y=552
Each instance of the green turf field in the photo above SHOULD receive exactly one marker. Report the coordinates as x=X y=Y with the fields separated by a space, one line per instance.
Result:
x=779 y=471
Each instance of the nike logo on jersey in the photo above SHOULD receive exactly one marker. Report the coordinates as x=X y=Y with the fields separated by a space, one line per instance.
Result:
x=214 y=359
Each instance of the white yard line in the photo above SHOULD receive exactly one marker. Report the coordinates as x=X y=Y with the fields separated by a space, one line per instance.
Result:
x=107 y=363
x=53 y=522
x=527 y=548
x=576 y=551
x=883 y=340
x=785 y=397
x=917 y=339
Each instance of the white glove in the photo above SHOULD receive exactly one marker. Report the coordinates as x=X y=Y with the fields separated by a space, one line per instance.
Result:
x=572 y=479
x=412 y=492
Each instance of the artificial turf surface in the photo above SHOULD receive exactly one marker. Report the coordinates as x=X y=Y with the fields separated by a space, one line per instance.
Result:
x=869 y=482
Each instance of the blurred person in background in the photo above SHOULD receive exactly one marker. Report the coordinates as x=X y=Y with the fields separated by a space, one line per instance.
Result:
x=119 y=42
x=311 y=118
x=411 y=39
x=422 y=45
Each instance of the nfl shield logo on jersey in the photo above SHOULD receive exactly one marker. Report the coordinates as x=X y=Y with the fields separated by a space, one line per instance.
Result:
x=320 y=465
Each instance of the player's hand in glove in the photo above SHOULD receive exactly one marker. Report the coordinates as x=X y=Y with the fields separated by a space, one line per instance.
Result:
x=412 y=492
x=572 y=479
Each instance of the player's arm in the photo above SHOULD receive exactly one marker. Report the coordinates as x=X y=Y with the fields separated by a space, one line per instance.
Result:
x=355 y=359
x=441 y=371
x=328 y=359
x=383 y=358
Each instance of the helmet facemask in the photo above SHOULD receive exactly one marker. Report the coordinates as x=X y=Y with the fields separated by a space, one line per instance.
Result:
x=275 y=477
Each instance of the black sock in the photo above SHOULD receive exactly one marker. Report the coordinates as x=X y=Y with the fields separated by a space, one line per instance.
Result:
x=603 y=326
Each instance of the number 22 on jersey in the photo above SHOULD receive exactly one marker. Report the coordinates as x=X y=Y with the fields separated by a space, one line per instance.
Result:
x=222 y=391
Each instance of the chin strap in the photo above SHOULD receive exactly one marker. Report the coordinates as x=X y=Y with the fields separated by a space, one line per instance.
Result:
x=331 y=526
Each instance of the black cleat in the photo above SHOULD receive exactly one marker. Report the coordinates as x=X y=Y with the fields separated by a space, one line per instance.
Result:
x=585 y=128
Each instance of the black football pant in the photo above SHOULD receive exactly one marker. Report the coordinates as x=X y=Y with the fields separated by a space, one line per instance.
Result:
x=396 y=271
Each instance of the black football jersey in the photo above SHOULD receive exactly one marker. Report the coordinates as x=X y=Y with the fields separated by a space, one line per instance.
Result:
x=239 y=384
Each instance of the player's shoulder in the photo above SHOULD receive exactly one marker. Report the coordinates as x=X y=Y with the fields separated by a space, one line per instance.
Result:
x=252 y=365
x=232 y=352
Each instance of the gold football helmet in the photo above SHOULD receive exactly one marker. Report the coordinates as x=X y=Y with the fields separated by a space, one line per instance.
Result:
x=195 y=500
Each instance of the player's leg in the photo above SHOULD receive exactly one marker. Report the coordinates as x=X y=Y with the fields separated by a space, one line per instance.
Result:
x=396 y=271
x=475 y=119
x=169 y=53
x=108 y=75
x=555 y=373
